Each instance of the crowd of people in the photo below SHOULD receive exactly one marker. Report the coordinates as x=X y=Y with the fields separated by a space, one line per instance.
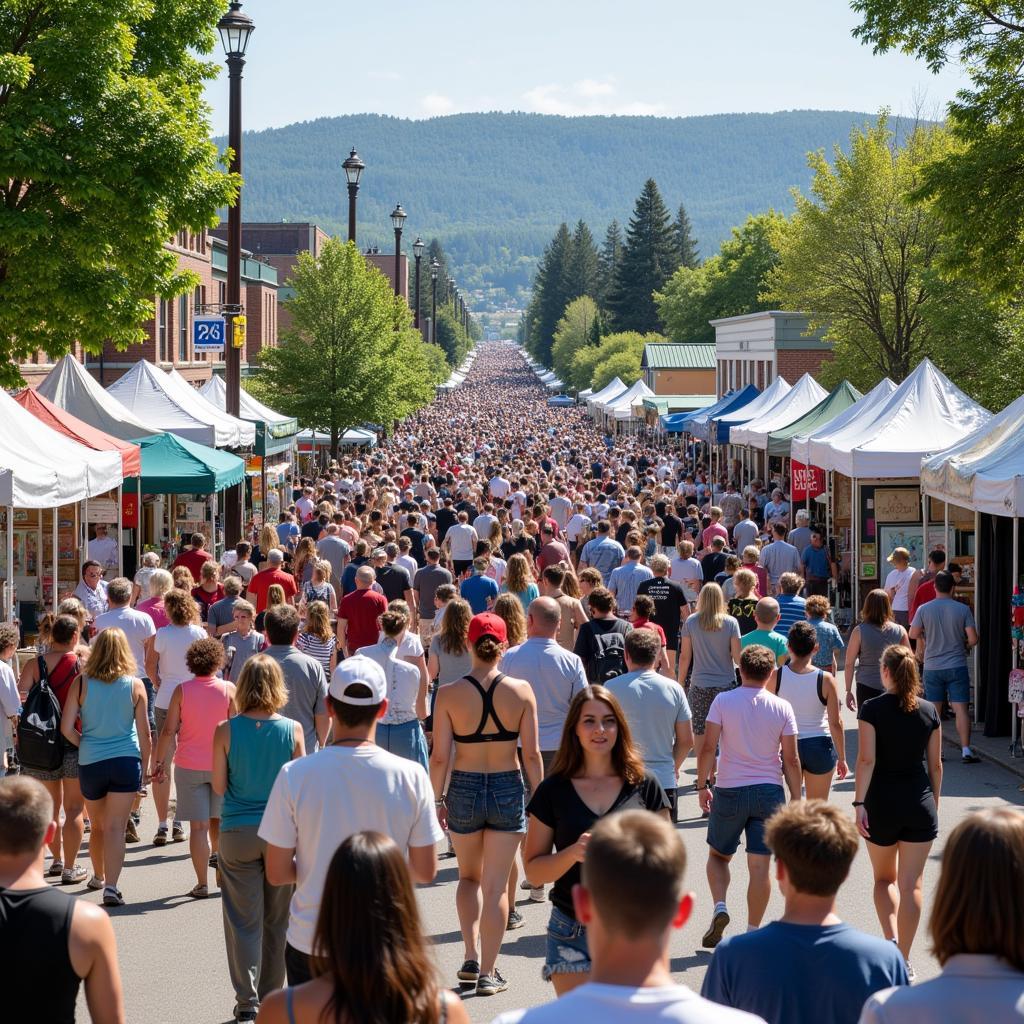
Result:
x=499 y=636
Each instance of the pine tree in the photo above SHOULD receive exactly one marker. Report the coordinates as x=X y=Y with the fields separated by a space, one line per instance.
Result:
x=649 y=257
x=596 y=330
x=550 y=298
x=581 y=270
x=689 y=256
x=608 y=261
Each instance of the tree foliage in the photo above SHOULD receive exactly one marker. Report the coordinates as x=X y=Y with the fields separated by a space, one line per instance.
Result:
x=351 y=354
x=977 y=187
x=728 y=284
x=619 y=356
x=106 y=154
x=649 y=257
x=581 y=268
x=574 y=331
x=608 y=260
x=689 y=255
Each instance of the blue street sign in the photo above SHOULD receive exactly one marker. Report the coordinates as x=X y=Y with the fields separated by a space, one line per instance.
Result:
x=208 y=334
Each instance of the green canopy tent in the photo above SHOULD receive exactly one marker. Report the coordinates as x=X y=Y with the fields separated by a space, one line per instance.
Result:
x=172 y=465
x=837 y=401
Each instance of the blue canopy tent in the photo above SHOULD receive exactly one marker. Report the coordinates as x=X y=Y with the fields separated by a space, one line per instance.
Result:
x=696 y=423
x=743 y=412
x=674 y=423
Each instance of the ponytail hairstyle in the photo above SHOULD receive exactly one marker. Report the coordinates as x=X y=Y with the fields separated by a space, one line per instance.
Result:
x=899 y=662
x=395 y=619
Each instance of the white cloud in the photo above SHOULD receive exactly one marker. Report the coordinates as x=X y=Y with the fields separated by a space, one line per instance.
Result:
x=434 y=104
x=587 y=96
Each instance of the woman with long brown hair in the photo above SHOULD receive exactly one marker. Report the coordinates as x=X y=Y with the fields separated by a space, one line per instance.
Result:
x=597 y=771
x=509 y=608
x=304 y=559
x=449 y=657
x=519 y=581
x=372 y=961
x=876 y=630
x=896 y=799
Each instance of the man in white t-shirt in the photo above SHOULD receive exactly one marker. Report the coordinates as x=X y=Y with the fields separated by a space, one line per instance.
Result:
x=630 y=900
x=461 y=544
x=748 y=725
x=499 y=487
x=351 y=785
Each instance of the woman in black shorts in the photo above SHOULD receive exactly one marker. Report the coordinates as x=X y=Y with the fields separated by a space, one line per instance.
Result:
x=484 y=715
x=897 y=799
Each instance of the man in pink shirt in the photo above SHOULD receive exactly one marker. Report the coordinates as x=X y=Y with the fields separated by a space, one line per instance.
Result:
x=748 y=725
x=715 y=529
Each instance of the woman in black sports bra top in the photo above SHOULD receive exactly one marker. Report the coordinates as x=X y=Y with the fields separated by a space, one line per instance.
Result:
x=485 y=717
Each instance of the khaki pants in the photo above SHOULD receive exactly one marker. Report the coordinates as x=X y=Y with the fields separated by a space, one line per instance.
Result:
x=255 y=917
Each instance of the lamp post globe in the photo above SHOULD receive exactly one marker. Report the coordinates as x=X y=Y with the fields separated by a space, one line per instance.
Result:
x=398 y=216
x=353 y=167
x=235 y=30
x=417 y=248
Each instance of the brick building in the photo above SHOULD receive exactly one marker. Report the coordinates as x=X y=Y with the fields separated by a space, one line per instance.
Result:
x=673 y=369
x=168 y=341
x=755 y=348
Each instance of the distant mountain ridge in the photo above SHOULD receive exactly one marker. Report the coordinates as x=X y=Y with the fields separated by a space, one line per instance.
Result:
x=493 y=187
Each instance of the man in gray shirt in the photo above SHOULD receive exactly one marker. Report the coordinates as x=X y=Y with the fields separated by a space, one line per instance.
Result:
x=424 y=586
x=603 y=553
x=945 y=630
x=331 y=548
x=219 y=618
x=626 y=578
x=657 y=711
x=779 y=557
x=303 y=676
x=800 y=537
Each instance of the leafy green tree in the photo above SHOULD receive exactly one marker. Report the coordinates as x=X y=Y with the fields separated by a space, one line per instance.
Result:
x=106 y=154
x=976 y=187
x=689 y=255
x=351 y=353
x=573 y=332
x=550 y=295
x=608 y=260
x=620 y=357
x=649 y=258
x=727 y=284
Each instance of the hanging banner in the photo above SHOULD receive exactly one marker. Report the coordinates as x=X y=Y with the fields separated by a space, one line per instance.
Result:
x=129 y=510
x=807 y=478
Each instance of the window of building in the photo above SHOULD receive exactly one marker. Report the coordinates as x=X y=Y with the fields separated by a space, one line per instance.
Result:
x=161 y=330
x=222 y=292
x=183 y=329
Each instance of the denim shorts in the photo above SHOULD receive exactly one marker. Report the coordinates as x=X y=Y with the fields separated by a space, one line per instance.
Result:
x=111 y=775
x=742 y=810
x=479 y=800
x=956 y=682
x=566 y=951
x=817 y=755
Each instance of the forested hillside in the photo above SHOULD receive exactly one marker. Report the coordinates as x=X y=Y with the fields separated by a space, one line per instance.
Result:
x=494 y=187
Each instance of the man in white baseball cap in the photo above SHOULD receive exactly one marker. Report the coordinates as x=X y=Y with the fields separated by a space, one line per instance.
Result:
x=351 y=785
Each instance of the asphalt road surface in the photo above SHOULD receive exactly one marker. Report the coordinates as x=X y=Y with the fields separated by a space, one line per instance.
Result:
x=171 y=948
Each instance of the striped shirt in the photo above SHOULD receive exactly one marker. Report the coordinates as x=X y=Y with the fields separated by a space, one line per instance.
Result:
x=319 y=650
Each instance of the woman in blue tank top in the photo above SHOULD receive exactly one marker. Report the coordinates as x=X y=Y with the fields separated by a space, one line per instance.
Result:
x=248 y=752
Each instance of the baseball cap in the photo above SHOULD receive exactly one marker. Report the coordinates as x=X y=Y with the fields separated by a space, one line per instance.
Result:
x=487 y=624
x=359 y=669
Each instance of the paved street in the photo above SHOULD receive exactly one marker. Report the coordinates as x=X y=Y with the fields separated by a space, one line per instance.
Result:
x=172 y=949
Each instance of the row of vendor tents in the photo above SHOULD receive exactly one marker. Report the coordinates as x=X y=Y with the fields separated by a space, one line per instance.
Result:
x=924 y=427
x=70 y=439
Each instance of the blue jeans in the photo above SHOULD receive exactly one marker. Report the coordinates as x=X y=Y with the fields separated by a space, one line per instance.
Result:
x=479 y=800
x=566 y=951
x=938 y=682
x=742 y=810
x=406 y=740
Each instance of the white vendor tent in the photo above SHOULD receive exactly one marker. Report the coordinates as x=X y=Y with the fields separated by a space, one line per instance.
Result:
x=984 y=471
x=804 y=395
x=41 y=468
x=70 y=386
x=804 y=447
x=722 y=425
x=621 y=408
x=215 y=391
x=612 y=389
x=156 y=398
x=555 y=384
x=927 y=413
x=246 y=430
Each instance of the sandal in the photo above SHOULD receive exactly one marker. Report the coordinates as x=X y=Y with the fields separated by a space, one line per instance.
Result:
x=199 y=892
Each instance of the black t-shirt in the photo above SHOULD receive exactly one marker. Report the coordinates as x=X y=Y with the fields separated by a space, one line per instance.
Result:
x=901 y=737
x=445 y=518
x=586 y=648
x=622 y=532
x=669 y=600
x=692 y=525
x=742 y=610
x=394 y=581
x=311 y=529
x=416 y=551
x=712 y=564
x=671 y=528
x=557 y=805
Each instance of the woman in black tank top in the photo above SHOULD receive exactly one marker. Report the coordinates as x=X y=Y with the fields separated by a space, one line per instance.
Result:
x=484 y=717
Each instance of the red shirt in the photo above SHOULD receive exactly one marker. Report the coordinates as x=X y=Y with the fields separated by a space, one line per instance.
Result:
x=647 y=624
x=361 y=609
x=207 y=597
x=193 y=561
x=712 y=531
x=551 y=554
x=924 y=593
x=263 y=581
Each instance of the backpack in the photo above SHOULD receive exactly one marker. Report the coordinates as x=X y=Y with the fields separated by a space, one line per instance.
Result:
x=40 y=743
x=609 y=659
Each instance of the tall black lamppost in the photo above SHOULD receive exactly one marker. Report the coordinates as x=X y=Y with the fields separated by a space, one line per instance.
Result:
x=417 y=248
x=235 y=29
x=398 y=216
x=353 y=168
x=434 y=267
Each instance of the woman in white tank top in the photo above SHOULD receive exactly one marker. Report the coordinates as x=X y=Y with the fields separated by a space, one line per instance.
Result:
x=814 y=696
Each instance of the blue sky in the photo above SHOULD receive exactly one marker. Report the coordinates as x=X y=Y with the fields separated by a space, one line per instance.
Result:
x=317 y=58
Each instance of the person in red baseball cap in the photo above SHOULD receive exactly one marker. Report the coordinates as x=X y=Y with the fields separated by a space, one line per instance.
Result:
x=485 y=715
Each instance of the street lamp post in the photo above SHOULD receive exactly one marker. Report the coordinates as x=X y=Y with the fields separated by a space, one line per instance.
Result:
x=417 y=248
x=398 y=216
x=235 y=28
x=434 y=267
x=353 y=168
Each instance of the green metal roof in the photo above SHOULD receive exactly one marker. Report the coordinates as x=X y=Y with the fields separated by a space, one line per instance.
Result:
x=840 y=399
x=673 y=356
x=677 y=403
